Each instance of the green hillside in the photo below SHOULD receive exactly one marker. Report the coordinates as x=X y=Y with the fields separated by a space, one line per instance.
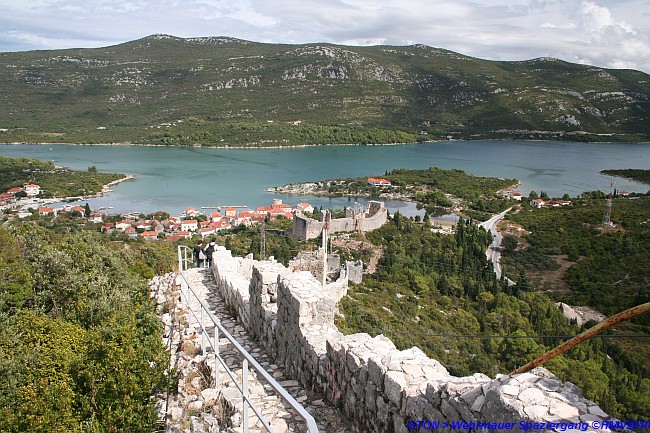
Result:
x=223 y=91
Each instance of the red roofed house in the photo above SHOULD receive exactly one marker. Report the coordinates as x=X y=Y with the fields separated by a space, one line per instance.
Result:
x=378 y=182
x=249 y=217
x=189 y=225
x=215 y=216
x=538 y=203
x=184 y=234
x=305 y=207
x=13 y=191
x=219 y=225
x=43 y=211
x=131 y=232
x=31 y=189
x=6 y=198
x=231 y=211
x=123 y=225
x=150 y=236
x=276 y=209
x=191 y=212
x=206 y=231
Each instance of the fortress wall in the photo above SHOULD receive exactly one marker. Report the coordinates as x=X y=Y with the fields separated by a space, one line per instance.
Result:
x=233 y=276
x=306 y=228
x=374 y=221
x=342 y=225
x=381 y=388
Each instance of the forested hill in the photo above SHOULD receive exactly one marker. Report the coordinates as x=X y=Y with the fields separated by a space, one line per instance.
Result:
x=224 y=91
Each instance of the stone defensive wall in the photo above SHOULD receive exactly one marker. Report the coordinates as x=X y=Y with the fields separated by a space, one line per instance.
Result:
x=381 y=388
x=356 y=219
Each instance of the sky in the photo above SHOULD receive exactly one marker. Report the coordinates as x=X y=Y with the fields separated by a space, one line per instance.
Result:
x=605 y=33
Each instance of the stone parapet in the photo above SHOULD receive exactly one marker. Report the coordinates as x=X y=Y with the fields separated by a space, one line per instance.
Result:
x=381 y=388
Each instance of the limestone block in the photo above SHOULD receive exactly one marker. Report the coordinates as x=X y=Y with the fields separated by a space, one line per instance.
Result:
x=448 y=411
x=415 y=406
x=195 y=406
x=363 y=375
x=209 y=396
x=176 y=413
x=433 y=393
x=376 y=371
x=430 y=412
x=394 y=384
x=510 y=390
x=471 y=395
x=549 y=384
x=399 y=424
x=371 y=397
x=595 y=410
x=563 y=410
x=356 y=386
x=478 y=403
x=413 y=370
x=501 y=408
x=353 y=362
x=382 y=409
x=196 y=425
x=536 y=411
x=531 y=395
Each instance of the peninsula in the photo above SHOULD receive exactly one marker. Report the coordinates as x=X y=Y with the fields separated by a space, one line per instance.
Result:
x=436 y=190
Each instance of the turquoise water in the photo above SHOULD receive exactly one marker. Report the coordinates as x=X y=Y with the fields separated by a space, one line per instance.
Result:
x=173 y=178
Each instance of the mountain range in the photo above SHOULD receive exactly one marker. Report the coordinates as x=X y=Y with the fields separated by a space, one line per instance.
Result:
x=224 y=91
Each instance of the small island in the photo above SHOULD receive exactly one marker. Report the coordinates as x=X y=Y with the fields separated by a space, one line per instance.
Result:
x=637 y=175
x=436 y=190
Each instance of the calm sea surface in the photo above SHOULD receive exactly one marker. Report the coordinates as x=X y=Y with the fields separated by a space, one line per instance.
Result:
x=173 y=178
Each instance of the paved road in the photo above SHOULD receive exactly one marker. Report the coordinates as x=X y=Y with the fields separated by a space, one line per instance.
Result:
x=494 y=250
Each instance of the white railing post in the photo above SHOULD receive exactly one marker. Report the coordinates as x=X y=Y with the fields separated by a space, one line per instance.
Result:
x=244 y=387
x=216 y=356
x=202 y=334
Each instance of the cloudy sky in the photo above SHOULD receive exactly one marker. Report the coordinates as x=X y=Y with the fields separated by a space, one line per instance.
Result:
x=608 y=33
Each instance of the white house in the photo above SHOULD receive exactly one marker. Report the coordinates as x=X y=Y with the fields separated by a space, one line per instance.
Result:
x=378 y=182
x=123 y=225
x=538 y=203
x=189 y=226
x=305 y=207
x=31 y=189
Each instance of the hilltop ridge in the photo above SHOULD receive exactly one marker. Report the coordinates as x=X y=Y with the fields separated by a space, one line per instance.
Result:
x=220 y=91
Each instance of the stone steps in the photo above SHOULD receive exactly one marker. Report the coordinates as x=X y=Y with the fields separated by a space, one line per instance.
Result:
x=280 y=415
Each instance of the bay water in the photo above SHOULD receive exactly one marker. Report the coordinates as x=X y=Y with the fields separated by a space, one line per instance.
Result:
x=173 y=178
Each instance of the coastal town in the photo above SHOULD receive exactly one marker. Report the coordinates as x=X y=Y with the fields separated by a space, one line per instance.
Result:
x=23 y=203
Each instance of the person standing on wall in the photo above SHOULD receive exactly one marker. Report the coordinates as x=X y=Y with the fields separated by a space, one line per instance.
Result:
x=209 y=250
x=199 y=254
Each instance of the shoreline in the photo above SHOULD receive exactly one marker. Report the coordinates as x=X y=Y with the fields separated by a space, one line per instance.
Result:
x=294 y=146
x=290 y=146
x=107 y=188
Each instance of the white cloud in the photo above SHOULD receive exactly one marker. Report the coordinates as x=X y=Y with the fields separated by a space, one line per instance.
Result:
x=608 y=33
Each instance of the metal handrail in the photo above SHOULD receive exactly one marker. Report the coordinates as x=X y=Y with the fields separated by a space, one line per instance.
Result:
x=248 y=358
